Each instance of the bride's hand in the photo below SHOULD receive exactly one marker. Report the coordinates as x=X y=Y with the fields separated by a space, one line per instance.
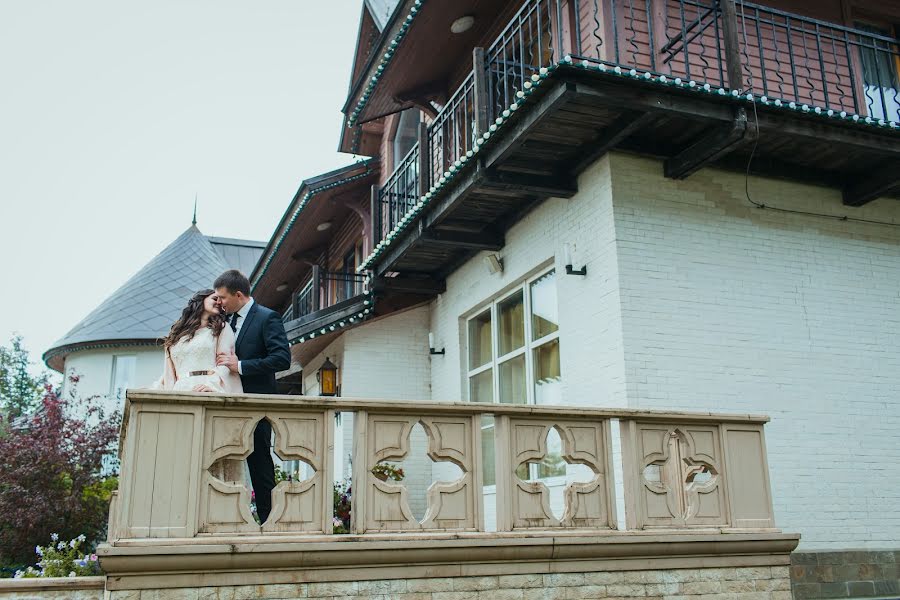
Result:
x=200 y=387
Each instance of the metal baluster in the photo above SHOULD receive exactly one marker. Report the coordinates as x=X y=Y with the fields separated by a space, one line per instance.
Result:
x=631 y=42
x=822 y=66
x=791 y=57
x=596 y=29
x=649 y=11
x=837 y=73
x=746 y=64
x=615 y=27
x=809 y=82
x=684 y=45
x=777 y=56
x=875 y=50
x=762 y=60
x=719 y=41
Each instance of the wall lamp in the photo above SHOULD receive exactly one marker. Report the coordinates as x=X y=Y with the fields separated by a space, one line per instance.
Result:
x=431 y=349
x=567 y=258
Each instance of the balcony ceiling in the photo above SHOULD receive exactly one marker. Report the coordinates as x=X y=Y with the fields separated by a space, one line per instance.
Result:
x=430 y=55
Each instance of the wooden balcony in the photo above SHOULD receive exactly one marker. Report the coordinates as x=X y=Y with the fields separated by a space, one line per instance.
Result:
x=694 y=83
x=696 y=491
x=327 y=298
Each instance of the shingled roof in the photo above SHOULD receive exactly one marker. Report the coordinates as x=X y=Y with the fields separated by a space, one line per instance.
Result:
x=144 y=308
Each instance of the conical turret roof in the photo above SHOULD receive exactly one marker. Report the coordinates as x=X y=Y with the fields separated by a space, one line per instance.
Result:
x=144 y=308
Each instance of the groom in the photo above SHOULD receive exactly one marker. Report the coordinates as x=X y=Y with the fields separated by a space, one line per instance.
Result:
x=261 y=350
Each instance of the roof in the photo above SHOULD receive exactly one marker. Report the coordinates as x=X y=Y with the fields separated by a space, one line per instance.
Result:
x=144 y=308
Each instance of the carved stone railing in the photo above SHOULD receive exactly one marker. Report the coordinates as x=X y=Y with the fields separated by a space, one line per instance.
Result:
x=183 y=474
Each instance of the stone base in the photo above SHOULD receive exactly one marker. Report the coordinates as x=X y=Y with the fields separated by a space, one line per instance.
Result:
x=739 y=583
x=52 y=588
x=846 y=574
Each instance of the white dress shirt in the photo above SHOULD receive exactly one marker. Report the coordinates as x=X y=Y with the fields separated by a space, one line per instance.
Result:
x=242 y=315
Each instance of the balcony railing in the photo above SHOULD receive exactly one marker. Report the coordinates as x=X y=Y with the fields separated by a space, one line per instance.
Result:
x=323 y=290
x=788 y=58
x=679 y=470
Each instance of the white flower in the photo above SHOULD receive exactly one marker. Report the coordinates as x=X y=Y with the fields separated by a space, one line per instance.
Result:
x=61 y=546
x=38 y=550
x=73 y=543
x=54 y=536
x=81 y=538
x=71 y=573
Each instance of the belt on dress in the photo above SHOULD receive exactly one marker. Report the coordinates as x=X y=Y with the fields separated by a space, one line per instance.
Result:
x=198 y=373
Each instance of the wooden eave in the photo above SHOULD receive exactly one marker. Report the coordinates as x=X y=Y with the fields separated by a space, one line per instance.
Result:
x=580 y=114
x=425 y=65
x=301 y=243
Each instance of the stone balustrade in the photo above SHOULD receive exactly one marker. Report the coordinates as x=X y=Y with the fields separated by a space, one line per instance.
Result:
x=182 y=474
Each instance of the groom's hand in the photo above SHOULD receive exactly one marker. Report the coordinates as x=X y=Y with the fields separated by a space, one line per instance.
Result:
x=228 y=359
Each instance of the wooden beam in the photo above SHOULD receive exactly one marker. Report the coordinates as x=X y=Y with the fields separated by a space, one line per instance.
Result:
x=480 y=89
x=486 y=240
x=632 y=97
x=409 y=285
x=732 y=45
x=882 y=180
x=818 y=132
x=511 y=140
x=424 y=165
x=711 y=147
x=628 y=123
x=559 y=186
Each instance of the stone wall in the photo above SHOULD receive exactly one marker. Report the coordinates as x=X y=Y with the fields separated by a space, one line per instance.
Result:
x=743 y=583
x=850 y=574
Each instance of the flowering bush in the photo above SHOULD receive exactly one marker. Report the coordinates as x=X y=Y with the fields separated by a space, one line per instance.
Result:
x=52 y=476
x=342 y=495
x=62 y=559
x=385 y=471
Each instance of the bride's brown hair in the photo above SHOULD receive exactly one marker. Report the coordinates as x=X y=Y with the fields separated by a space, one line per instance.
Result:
x=188 y=324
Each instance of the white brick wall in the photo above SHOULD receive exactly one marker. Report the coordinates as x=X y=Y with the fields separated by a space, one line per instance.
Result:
x=729 y=307
x=695 y=300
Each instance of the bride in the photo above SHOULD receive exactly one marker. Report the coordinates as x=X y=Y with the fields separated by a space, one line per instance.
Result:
x=191 y=347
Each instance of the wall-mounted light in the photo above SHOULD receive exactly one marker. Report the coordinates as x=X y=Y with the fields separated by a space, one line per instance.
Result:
x=494 y=263
x=431 y=349
x=327 y=378
x=462 y=24
x=324 y=226
x=567 y=258
x=281 y=287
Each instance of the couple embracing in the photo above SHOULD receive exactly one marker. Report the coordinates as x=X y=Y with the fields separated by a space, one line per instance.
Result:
x=226 y=342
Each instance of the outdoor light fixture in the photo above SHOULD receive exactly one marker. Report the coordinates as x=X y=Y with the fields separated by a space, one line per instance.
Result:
x=281 y=287
x=567 y=258
x=462 y=24
x=327 y=378
x=494 y=263
x=323 y=226
x=431 y=349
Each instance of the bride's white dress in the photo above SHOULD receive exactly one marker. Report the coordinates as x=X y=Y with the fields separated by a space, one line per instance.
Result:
x=198 y=355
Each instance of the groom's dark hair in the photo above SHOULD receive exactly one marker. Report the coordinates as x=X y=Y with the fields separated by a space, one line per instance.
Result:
x=234 y=281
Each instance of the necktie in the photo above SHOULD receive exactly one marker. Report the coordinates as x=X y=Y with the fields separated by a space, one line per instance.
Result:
x=234 y=320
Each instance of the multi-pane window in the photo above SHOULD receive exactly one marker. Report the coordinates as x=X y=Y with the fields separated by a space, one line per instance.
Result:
x=513 y=358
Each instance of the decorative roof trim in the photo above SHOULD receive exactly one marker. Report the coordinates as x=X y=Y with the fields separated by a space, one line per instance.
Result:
x=64 y=351
x=361 y=316
x=383 y=64
x=269 y=255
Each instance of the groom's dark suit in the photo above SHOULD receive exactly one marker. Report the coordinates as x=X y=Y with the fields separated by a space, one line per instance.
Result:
x=262 y=350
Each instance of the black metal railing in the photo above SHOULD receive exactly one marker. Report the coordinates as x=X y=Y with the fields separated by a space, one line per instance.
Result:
x=452 y=133
x=398 y=195
x=789 y=58
x=323 y=290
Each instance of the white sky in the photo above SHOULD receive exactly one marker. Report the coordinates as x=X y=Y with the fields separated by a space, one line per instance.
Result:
x=113 y=114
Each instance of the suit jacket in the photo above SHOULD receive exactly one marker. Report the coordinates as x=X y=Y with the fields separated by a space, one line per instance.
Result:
x=262 y=348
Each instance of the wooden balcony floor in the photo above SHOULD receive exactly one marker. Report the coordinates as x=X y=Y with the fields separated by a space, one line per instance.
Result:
x=575 y=117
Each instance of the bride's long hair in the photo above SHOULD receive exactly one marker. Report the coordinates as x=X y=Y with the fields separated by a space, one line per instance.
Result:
x=191 y=319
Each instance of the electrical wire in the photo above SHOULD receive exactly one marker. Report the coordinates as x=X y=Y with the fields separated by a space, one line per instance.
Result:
x=763 y=206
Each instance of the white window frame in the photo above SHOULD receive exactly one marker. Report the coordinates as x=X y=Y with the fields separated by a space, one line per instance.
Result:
x=496 y=360
x=528 y=347
x=114 y=375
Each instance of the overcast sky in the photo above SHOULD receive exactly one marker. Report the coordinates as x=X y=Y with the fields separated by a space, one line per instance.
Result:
x=113 y=114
